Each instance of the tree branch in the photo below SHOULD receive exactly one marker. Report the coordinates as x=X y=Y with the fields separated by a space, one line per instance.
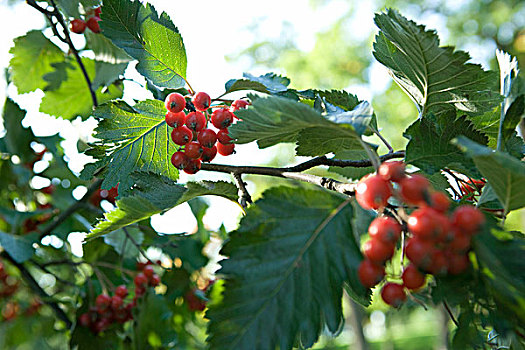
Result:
x=244 y=195
x=67 y=39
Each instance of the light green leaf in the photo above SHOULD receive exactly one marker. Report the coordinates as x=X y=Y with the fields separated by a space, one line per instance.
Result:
x=438 y=79
x=19 y=247
x=122 y=244
x=505 y=173
x=154 y=41
x=153 y=194
x=33 y=54
x=286 y=268
x=107 y=73
x=72 y=98
x=272 y=120
x=430 y=149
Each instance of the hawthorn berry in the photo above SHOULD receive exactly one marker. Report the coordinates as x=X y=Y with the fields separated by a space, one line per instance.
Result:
x=377 y=251
x=223 y=137
x=412 y=278
x=238 y=104
x=103 y=301
x=208 y=154
x=221 y=118
x=116 y=302
x=181 y=136
x=392 y=171
x=193 y=166
x=155 y=280
x=97 y=11
x=438 y=264
x=175 y=102
x=468 y=219
x=78 y=26
x=457 y=263
x=393 y=294
x=460 y=241
x=414 y=189
x=424 y=224
x=201 y=101
x=439 y=201
x=121 y=291
x=419 y=252
x=140 y=290
x=195 y=121
x=385 y=229
x=179 y=160
x=175 y=120
x=370 y=274
x=85 y=320
x=225 y=150
x=373 y=192
x=92 y=23
x=148 y=271
x=140 y=280
x=193 y=150
x=207 y=138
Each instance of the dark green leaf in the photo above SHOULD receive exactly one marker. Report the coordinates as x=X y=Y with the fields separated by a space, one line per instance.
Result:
x=59 y=74
x=154 y=324
x=288 y=262
x=269 y=83
x=154 y=41
x=124 y=245
x=17 y=138
x=505 y=173
x=430 y=149
x=438 y=79
x=19 y=247
x=33 y=54
x=107 y=73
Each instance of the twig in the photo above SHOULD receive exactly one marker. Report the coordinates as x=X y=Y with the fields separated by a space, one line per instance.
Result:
x=67 y=39
x=450 y=313
x=329 y=184
x=385 y=142
x=139 y=248
x=63 y=262
x=113 y=266
x=33 y=284
x=72 y=209
x=244 y=195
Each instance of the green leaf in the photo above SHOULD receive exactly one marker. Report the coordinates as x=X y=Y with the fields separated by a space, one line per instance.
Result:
x=269 y=83
x=430 y=149
x=19 y=247
x=505 y=173
x=438 y=79
x=154 y=327
x=154 y=41
x=33 y=54
x=133 y=138
x=286 y=268
x=153 y=194
x=122 y=244
x=17 y=138
x=55 y=78
x=107 y=73
x=271 y=120
x=72 y=98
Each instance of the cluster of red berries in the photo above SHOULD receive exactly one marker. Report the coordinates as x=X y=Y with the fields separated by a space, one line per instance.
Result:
x=198 y=142
x=100 y=194
x=437 y=241
x=114 y=309
x=196 y=297
x=78 y=25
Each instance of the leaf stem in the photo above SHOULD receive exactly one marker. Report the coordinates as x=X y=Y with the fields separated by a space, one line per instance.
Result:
x=447 y=308
x=385 y=142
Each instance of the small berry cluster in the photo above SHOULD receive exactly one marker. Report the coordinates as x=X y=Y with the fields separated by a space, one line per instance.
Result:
x=100 y=194
x=191 y=132
x=113 y=309
x=78 y=25
x=196 y=298
x=437 y=243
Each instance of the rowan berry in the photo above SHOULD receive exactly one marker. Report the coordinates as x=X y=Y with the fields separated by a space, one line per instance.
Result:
x=175 y=102
x=373 y=192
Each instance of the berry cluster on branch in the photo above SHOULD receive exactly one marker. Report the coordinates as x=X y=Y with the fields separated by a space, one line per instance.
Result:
x=78 y=25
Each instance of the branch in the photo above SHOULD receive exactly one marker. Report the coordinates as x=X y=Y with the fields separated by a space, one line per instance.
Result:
x=33 y=284
x=67 y=39
x=244 y=195
x=447 y=308
x=72 y=209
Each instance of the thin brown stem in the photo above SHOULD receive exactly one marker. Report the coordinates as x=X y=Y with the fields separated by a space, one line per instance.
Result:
x=385 y=142
x=244 y=195
x=139 y=248
x=447 y=308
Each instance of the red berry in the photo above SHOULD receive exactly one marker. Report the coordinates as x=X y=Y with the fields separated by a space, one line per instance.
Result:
x=201 y=101
x=392 y=171
x=194 y=302
x=414 y=189
x=175 y=102
x=468 y=219
x=92 y=23
x=140 y=290
x=208 y=154
x=78 y=26
x=460 y=242
x=193 y=166
x=419 y=252
x=148 y=271
x=393 y=294
x=48 y=190
x=193 y=150
x=207 y=138
x=370 y=274
x=101 y=325
x=385 y=229
x=238 y=104
x=85 y=320
x=155 y=280
x=372 y=192
x=457 y=263
x=439 y=264
x=195 y=121
x=116 y=302
x=140 y=280
x=439 y=201
x=121 y=291
x=175 y=120
x=181 y=136
x=223 y=137
x=103 y=301
x=221 y=118
x=424 y=224
x=98 y=11
x=412 y=278
x=179 y=160
x=377 y=251
x=225 y=150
